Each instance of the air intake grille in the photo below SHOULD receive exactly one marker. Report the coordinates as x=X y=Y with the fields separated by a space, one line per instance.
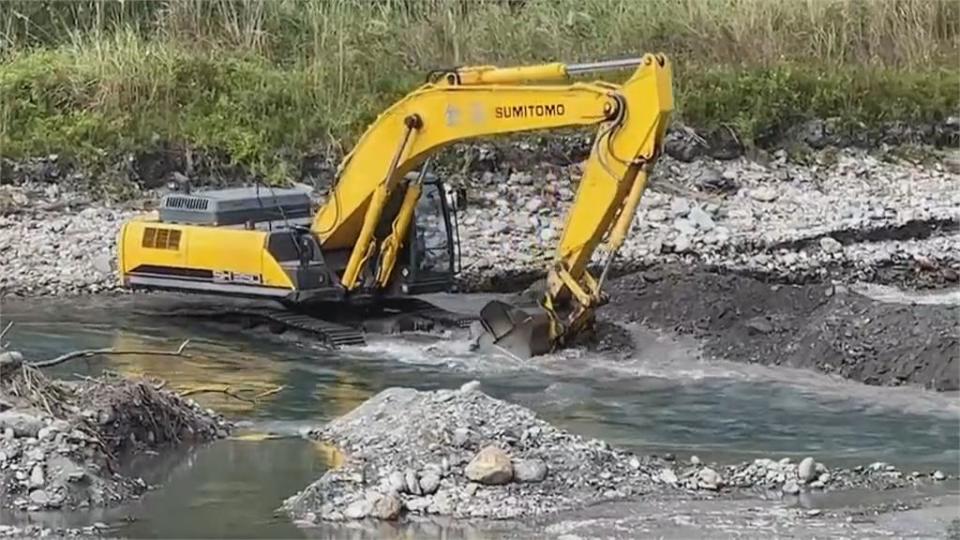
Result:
x=186 y=203
x=157 y=238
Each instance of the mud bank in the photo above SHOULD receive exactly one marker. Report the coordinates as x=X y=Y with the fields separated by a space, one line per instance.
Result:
x=420 y=457
x=828 y=327
x=65 y=443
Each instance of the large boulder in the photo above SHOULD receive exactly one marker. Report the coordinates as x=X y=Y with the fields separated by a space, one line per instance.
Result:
x=490 y=466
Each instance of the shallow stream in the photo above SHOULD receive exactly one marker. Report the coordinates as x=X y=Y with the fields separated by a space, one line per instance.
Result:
x=662 y=399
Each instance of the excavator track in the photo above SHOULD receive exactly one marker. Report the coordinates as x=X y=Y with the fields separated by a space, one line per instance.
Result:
x=426 y=310
x=331 y=333
x=326 y=332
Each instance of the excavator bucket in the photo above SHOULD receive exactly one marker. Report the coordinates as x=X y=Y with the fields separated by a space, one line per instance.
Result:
x=519 y=332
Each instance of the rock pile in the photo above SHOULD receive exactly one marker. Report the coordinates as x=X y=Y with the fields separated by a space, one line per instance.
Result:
x=63 y=441
x=788 y=478
x=461 y=454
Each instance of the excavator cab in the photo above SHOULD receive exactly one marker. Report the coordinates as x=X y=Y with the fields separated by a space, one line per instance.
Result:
x=434 y=252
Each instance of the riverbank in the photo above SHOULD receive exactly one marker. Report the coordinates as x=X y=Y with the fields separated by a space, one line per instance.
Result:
x=836 y=215
x=65 y=442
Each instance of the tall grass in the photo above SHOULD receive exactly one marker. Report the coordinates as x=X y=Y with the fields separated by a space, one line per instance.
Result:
x=267 y=79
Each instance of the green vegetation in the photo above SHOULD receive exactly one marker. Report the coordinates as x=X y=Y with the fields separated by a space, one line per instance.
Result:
x=267 y=80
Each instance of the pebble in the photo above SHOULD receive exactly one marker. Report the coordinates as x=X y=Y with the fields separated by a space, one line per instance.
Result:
x=387 y=507
x=679 y=207
x=667 y=476
x=938 y=475
x=461 y=436
x=708 y=478
x=429 y=483
x=791 y=488
x=529 y=470
x=397 y=482
x=682 y=244
x=39 y=497
x=829 y=245
x=37 y=479
x=806 y=470
x=764 y=194
x=694 y=460
x=411 y=482
x=701 y=219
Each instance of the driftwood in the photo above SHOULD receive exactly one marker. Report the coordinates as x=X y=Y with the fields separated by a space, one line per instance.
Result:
x=87 y=353
x=227 y=391
x=3 y=334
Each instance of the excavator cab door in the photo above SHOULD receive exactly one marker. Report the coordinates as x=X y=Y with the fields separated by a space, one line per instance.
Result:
x=434 y=242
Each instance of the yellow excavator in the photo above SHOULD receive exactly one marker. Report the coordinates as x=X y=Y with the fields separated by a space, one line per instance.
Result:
x=388 y=229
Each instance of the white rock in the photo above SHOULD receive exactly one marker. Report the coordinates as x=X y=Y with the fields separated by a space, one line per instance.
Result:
x=529 y=470
x=682 y=244
x=37 y=479
x=708 y=478
x=656 y=215
x=358 y=509
x=701 y=219
x=806 y=470
x=679 y=207
x=667 y=476
x=829 y=245
x=685 y=226
x=764 y=194
x=429 y=483
x=471 y=386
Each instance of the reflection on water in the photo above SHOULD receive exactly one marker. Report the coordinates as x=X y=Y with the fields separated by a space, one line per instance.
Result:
x=663 y=399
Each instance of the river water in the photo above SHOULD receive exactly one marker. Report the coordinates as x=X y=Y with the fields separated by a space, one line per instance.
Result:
x=664 y=398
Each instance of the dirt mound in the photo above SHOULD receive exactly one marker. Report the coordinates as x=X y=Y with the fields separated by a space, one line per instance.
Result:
x=815 y=325
x=63 y=442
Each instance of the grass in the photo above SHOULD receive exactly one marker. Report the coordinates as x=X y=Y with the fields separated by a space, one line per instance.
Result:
x=266 y=81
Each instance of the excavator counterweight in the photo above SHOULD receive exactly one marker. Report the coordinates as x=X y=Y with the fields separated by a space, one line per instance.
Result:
x=388 y=229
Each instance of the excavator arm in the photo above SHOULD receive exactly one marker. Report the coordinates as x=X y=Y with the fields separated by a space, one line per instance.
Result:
x=482 y=101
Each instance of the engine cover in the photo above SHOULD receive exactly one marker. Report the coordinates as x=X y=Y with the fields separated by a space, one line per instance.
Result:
x=235 y=206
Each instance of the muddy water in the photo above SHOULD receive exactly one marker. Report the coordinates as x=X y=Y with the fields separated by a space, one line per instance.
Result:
x=663 y=399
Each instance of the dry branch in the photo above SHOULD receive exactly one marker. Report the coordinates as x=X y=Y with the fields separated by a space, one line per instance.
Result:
x=226 y=390
x=87 y=353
